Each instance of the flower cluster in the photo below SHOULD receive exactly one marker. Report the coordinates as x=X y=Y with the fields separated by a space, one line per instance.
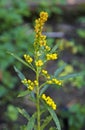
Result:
x=49 y=101
x=30 y=84
x=45 y=73
x=41 y=39
x=40 y=22
x=39 y=63
x=54 y=81
x=53 y=56
x=28 y=58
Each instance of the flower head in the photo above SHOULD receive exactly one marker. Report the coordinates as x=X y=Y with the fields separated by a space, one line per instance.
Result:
x=49 y=101
x=53 y=56
x=39 y=23
x=28 y=58
x=39 y=63
x=54 y=81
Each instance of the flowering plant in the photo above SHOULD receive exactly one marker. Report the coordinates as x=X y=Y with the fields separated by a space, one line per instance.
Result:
x=36 y=90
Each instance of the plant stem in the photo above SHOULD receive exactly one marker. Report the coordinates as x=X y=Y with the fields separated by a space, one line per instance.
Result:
x=38 y=102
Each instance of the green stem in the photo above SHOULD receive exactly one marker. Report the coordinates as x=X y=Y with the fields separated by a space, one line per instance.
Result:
x=38 y=102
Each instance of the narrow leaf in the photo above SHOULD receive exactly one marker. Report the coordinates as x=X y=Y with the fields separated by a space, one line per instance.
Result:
x=46 y=122
x=24 y=113
x=55 y=118
x=54 y=48
x=23 y=93
x=21 y=76
x=70 y=76
x=19 y=59
x=53 y=128
x=43 y=89
x=31 y=123
x=59 y=70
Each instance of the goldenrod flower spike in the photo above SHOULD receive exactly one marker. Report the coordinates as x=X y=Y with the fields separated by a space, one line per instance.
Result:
x=39 y=23
x=49 y=101
x=43 y=16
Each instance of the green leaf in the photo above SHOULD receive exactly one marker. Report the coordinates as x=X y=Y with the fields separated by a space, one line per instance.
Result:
x=21 y=76
x=59 y=70
x=46 y=122
x=53 y=128
x=23 y=127
x=12 y=112
x=81 y=33
x=22 y=61
x=23 y=112
x=31 y=122
x=54 y=48
x=55 y=118
x=23 y=93
x=3 y=91
x=70 y=76
x=43 y=89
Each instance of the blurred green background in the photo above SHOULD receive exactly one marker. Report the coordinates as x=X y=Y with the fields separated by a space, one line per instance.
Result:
x=16 y=35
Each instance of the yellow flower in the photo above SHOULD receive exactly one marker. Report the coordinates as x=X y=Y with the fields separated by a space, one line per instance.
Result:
x=39 y=38
x=49 y=101
x=35 y=83
x=42 y=42
x=44 y=96
x=54 y=81
x=47 y=48
x=28 y=81
x=39 y=63
x=28 y=58
x=53 y=56
x=30 y=88
x=49 y=82
x=44 y=71
x=43 y=16
x=24 y=81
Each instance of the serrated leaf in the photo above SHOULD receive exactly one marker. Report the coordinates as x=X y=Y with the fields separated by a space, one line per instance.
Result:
x=23 y=112
x=21 y=76
x=70 y=76
x=55 y=118
x=31 y=122
x=59 y=70
x=46 y=122
x=23 y=93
